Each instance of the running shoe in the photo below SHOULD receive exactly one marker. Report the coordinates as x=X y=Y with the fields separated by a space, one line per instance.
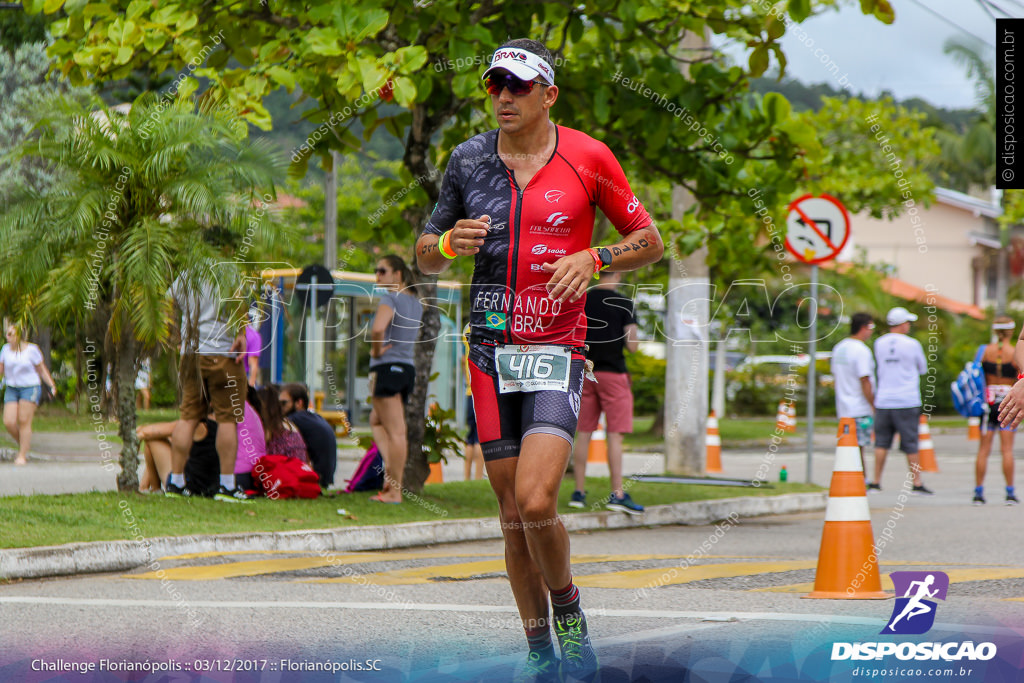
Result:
x=874 y=487
x=540 y=667
x=578 y=500
x=1011 y=499
x=235 y=495
x=578 y=657
x=173 y=491
x=922 y=491
x=980 y=499
x=624 y=504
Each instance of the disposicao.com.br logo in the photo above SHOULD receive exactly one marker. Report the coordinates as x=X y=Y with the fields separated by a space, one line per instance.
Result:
x=914 y=614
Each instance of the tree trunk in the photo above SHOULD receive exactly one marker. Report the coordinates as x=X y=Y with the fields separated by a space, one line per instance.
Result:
x=124 y=384
x=416 y=467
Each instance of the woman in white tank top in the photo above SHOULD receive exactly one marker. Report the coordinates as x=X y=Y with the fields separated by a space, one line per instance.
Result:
x=21 y=366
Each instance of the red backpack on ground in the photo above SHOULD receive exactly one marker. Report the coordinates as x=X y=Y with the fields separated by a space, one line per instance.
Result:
x=284 y=477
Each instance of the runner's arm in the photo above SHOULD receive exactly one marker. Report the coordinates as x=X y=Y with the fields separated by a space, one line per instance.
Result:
x=570 y=275
x=467 y=236
x=639 y=248
x=1011 y=409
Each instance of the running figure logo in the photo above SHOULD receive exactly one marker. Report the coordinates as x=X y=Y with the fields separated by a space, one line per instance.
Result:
x=913 y=614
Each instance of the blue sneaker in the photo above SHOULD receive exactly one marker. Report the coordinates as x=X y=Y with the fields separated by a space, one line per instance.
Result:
x=579 y=660
x=578 y=500
x=624 y=504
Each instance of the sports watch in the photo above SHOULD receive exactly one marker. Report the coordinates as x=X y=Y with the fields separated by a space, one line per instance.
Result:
x=605 y=255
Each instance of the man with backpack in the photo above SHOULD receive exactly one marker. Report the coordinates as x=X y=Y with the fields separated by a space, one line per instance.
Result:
x=853 y=367
x=901 y=363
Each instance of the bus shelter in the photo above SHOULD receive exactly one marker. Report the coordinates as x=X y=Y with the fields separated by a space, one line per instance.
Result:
x=328 y=346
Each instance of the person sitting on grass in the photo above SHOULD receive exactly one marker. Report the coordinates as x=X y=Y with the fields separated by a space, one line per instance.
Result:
x=202 y=470
x=321 y=443
x=283 y=438
x=156 y=447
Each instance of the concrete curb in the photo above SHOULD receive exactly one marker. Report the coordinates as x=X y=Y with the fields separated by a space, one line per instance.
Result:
x=113 y=556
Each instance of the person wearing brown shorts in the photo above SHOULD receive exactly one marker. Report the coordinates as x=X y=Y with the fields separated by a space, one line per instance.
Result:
x=213 y=380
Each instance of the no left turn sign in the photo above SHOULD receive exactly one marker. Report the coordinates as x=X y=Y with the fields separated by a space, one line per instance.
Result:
x=817 y=228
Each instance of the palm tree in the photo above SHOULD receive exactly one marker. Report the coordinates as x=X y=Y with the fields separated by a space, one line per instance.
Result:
x=140 y=194
x=969 y=157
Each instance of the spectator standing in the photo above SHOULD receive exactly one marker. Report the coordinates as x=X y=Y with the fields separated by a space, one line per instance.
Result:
x=900 y=360
x=611 y=329
x=396 y=325
x=212 y=379
x=21 y=365
x=853 y=367
x=997 y=362
x=142 y=384
x=321 y=442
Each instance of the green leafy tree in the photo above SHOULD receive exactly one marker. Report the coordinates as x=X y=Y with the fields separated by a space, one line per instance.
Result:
x=23 y=88
x=414 y=71
x=138 y=196
x=968 y=155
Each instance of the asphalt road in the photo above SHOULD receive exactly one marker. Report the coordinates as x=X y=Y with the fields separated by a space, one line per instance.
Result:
x=446 y=613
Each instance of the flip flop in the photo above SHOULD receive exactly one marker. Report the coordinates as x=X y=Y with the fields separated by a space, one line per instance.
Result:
x=376 y=499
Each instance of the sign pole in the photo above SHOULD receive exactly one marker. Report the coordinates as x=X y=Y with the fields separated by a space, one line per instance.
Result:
x=812 y=369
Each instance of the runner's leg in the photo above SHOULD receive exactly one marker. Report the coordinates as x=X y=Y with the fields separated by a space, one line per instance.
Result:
x=524 y=574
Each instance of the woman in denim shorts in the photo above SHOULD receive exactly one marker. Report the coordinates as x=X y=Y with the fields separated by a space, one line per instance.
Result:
x=21 y=365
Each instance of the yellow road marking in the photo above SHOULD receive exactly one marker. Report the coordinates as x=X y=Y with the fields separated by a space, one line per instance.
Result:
x=664 y=576
x=256 y=567
x=955 y=576
x=417 y=575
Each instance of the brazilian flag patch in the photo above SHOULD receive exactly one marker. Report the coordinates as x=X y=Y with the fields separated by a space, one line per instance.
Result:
x=495 y=320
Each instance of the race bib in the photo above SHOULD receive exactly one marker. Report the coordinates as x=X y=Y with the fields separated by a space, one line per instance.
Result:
x=532 y=368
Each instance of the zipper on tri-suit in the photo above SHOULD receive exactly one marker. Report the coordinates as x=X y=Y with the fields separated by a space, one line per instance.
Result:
x=515 y=253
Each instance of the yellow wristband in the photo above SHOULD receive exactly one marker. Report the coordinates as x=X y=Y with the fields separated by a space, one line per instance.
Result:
x=444 y=245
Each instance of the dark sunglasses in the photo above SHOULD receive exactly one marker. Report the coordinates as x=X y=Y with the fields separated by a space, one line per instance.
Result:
x=495 y=83
x=381 y=271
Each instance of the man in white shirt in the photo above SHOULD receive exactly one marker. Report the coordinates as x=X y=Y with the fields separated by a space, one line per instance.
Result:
x=901 y=363
x=853 y=368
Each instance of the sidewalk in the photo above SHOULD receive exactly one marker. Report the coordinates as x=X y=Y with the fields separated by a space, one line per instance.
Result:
x=72 y=463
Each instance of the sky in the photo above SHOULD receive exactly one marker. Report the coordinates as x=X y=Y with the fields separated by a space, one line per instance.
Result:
x=905 y=57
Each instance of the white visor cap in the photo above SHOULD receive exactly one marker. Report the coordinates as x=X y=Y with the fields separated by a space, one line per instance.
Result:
x=522 y=64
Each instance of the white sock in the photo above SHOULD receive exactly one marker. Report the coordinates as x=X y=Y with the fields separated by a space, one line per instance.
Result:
x=227 y=481
x=178 y=480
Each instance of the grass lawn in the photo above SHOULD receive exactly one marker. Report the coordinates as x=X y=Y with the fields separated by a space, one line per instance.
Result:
x=28 y=521
x=56 y=418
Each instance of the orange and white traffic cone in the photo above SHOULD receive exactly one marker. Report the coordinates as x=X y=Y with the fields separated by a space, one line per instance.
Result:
x=436 y=475
x=974 y=429
x=791 y=415
x=713 y=442
x=925 y=447
x=847 y=564
x=598 y=451
x=782 y=418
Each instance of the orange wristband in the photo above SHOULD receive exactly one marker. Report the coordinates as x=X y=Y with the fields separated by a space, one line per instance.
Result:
x=597 y=260
x=444 y=245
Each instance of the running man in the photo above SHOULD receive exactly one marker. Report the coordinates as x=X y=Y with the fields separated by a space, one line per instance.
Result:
x=914 y=606
x=521 y=200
